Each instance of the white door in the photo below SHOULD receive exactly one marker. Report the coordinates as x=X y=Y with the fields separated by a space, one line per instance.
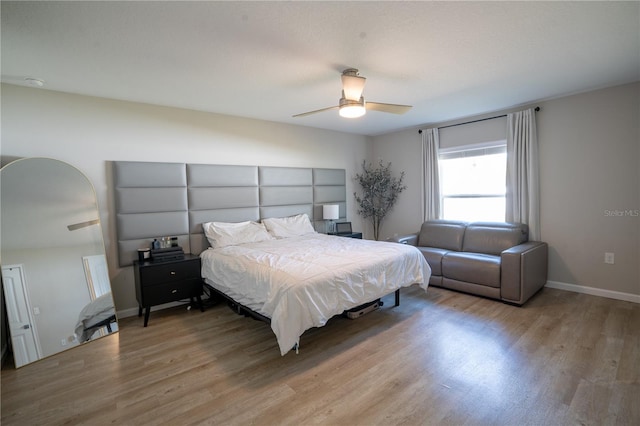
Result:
x=23 y=338
x=97 y=273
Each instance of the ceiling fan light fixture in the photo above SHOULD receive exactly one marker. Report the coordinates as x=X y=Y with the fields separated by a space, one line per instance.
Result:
x=352 y=104
x=352 y=109
x=352 y=84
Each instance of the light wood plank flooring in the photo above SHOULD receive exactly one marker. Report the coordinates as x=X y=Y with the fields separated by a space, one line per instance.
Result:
x=439 y=358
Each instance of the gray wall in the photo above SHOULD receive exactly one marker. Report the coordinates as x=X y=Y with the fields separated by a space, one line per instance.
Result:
x=90 y=132
x=589 y=147
x=589 y=162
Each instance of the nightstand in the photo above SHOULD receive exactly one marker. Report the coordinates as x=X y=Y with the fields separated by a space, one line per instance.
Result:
x=169 y=281
x=357 y=235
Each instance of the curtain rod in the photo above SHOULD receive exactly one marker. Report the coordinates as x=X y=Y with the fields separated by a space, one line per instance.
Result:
x=476 y=121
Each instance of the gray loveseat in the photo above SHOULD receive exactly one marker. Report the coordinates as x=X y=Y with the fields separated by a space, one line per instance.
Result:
x=489 y=259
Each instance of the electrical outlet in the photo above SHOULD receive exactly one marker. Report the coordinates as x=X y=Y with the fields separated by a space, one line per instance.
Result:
x=63 y=342
x=609 y=258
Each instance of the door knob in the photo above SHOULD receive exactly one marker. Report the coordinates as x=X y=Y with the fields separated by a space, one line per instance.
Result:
x=26 y=326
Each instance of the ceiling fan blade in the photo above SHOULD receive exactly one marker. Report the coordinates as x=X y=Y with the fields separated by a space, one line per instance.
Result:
x=80 y=225
x=313 y=112
x=392 y=108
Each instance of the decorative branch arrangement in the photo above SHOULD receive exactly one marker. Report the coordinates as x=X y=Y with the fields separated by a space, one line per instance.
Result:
x=380 y=191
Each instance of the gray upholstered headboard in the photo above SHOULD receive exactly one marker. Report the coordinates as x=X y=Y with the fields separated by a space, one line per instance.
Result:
x=174 y=199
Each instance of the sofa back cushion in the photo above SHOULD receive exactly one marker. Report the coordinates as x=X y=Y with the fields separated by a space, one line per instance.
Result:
x=445 y=234
x=494 y=237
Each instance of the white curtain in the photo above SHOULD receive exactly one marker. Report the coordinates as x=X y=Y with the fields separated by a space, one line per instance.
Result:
x=523 y=194
x=430 y=175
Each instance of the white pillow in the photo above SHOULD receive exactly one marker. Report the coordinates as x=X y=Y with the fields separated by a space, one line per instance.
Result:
x=222 y=234
x=292 y=226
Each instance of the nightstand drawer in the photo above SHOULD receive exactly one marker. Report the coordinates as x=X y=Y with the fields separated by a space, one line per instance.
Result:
x=170 y=272
x=168 y=292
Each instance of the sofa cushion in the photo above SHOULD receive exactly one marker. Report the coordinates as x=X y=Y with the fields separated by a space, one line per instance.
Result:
x=493 y=238
x=475 y=268
x=433 y=256
x=446 y=234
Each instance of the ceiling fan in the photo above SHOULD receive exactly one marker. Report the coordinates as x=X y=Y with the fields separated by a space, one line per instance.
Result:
x=352 y=103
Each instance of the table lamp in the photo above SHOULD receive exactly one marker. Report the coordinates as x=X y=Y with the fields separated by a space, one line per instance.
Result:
x=330 y=212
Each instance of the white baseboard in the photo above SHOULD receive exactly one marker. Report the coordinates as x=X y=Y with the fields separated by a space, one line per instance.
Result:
x=132 y=312
x=635 y=298
x=127 y=313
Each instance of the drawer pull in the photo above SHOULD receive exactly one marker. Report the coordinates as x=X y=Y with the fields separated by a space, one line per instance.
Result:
x=173 y=272
x=174 y=291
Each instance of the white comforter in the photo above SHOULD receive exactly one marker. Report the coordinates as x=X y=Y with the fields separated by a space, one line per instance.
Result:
x=302 y=282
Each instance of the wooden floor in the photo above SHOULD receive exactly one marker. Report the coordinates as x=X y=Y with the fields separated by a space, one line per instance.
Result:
x=439 y=358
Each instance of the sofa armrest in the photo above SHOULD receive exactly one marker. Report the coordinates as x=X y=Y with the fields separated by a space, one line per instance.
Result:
x=411 y=239
x=524 y=271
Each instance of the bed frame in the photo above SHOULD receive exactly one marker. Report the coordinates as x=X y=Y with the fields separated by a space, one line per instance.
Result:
x=104 y=323
x=240 y=309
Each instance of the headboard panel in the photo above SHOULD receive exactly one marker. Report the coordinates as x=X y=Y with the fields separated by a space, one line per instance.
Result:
x=204 y=175
x=285 y=176
x=285 y=191
x=151 y=201
x=329 y=187
x=220 y=193
x=174 y=199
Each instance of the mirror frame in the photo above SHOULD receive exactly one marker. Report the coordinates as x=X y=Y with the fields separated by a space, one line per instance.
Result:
x=73 y=259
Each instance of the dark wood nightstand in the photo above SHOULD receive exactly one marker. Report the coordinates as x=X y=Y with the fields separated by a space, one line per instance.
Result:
x=168 y=281
x=357 y=235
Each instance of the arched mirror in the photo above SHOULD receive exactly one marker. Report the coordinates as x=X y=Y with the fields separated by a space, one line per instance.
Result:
x=55 y=279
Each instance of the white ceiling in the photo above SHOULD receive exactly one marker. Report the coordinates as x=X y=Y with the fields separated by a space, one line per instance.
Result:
x=270 y=60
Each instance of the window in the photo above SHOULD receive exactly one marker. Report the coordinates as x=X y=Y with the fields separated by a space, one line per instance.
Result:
x=473 y=182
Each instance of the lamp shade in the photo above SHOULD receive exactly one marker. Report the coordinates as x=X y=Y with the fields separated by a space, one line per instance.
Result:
x=330 y=211
x=352 y=84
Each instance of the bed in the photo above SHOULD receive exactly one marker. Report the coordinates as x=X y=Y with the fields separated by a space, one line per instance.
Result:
x=95 y=315
x=180 y=199
x=300 y=281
